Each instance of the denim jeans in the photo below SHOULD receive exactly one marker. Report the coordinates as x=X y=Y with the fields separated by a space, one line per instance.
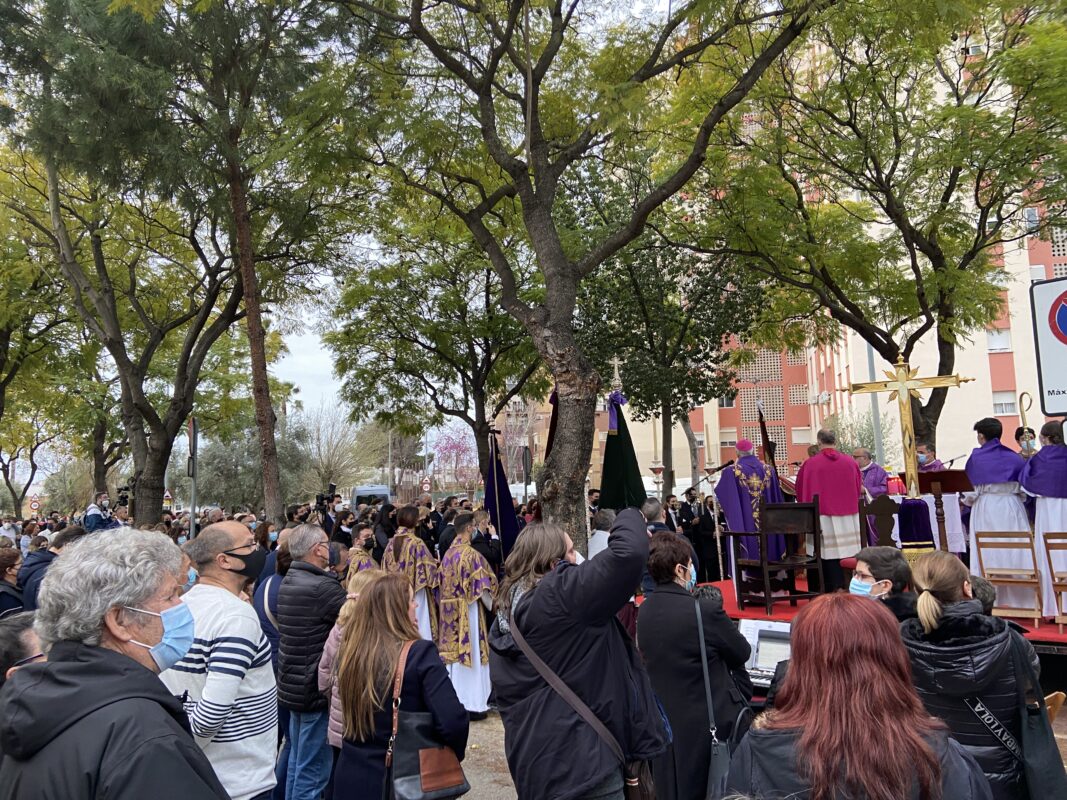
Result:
x=310 y=758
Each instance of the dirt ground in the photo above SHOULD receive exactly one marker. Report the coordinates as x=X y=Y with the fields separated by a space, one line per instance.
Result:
x=485 y=765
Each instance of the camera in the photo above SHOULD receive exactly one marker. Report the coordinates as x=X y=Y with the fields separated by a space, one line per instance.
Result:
x=123 y=495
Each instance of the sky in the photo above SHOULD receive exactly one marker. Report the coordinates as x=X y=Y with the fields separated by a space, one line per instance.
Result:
x=309 y=366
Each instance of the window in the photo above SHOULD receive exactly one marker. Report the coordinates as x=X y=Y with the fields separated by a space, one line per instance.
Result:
x=727 y=402
x=998 y=340
x=1037 y=272
x=1004 y=404
x=800 y=436
x=728 y=437
x=1031 y=220
x=700 y=439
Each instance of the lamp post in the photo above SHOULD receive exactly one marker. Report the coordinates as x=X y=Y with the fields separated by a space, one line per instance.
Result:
x=657 y=475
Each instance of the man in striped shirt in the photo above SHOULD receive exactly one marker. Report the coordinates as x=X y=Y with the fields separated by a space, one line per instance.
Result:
x=226 y=679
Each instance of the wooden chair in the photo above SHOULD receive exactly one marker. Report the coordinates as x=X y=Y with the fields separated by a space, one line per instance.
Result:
x=1021 y=576
x=1054 y=702
x=880 y=514
x=796 y=522
x=1057 y=542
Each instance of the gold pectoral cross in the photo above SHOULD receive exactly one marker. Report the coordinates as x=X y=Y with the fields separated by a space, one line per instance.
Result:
x=902 y=386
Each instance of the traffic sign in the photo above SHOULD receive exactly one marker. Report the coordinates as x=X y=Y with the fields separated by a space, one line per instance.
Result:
x=35 y=503
x=167 y=499
x=1048 y=300
x=426 y=484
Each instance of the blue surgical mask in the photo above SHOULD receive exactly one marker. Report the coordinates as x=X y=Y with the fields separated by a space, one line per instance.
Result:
x=253 y=524
x=692 y=582
x=858 y=587
x=191 y=582
x=183 y=539
x=273 y=536
x=178 y=628
x=922 y=458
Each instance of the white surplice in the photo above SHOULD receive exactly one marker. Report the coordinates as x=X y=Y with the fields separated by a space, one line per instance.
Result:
x=472 y=683
x=1051 y=517
x=422 y=614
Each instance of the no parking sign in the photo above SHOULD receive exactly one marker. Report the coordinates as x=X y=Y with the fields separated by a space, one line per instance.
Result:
x=1048 y=302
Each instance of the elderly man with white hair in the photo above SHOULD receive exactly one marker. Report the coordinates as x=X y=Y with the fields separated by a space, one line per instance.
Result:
x=94 y=720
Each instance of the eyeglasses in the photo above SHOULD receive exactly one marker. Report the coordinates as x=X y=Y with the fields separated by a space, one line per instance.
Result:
x=240 y=547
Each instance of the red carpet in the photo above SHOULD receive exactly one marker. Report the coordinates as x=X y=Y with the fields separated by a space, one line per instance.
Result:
x=1047 y=634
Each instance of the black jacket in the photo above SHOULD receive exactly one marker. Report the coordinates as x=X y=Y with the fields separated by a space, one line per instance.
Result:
x=444 y=541
x=34 y=567
x=668 y=639
x=490 y=550
x=308 y=603
x=92 y=723
x=765 y=765
x=569 y=621
x=690 y=521
x=10 y=600
x=969 y=655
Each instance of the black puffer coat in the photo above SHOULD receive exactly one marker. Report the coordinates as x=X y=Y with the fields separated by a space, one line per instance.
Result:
x=969 y=655
x=308 y=603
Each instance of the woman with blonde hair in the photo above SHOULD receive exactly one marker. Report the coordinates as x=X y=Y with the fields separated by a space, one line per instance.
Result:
x=371 y=645
x=357 y=582
x=964 y=669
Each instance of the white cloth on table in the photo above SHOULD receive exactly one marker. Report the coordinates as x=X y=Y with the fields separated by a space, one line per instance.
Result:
x=954 y=533
x=472 y=683
x=840 y=536
x=1051 y=517
x=999 y=507
x=422 y=614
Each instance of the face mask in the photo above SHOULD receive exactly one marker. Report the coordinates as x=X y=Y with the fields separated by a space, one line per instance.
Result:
x=1028 y=446
x=273 y=536
x=922 y=458
x=346 y=529
x=183 y=539
x=178 y=628
x=692 y=582
x=253 y=562
x=337 y=506
x=253 y=524
x=105 y=503
x=369 y=544
x=858 y=587
x=191 y=582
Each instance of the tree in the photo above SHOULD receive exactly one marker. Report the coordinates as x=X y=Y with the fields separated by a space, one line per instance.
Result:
x=451 y=345
x=668 y=315
x=457 y=460
x=329 y=442
x=510 y=102
x=856 y=429
x=156 y=288
x=26 y=437
x=70 y=487
x=885 y=172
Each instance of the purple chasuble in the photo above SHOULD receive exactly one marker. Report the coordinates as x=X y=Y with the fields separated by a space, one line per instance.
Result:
x=740 y=490
x=994 y=463
x=875 y=479
x=1045 y=473
x=932 y=466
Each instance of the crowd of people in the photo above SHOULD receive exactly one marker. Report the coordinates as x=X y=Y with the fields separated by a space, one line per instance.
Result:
x=231 y=659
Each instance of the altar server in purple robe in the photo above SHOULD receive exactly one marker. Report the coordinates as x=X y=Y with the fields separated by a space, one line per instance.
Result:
x=997 y=505
x=928 y=460
x=1044 y=476
x=834 y=478
x=740 y=489
x=875 y=483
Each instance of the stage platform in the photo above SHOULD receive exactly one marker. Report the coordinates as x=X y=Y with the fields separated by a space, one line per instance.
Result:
x=1046 y=638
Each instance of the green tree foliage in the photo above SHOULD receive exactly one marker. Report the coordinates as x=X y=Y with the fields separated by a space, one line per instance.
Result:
x=421 y=320
x=883 y=172
x=501 y=106
x=668 y=315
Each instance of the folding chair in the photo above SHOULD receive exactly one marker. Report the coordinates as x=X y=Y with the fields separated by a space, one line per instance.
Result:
x=1057 y=542
x=1028 y=577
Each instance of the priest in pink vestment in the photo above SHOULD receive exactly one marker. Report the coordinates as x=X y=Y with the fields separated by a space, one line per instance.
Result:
x=835 y=479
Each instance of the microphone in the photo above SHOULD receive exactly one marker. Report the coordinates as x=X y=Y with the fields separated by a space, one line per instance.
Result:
x=952 y=461
x=721 y=467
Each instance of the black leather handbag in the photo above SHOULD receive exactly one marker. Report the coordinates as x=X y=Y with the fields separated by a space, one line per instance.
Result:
x=417 y=767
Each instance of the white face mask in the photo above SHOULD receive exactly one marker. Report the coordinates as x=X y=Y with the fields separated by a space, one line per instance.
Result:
x=337 y=506
x=105 y=503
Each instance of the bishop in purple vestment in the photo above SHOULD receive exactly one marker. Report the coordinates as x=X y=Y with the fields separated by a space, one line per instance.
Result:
x=740 y=490
x=875 y=478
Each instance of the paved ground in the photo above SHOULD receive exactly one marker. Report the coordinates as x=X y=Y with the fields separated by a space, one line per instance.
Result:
x=485 y=766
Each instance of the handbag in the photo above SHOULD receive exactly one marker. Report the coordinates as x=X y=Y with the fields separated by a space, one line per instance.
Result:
x=416 y=766
x=1042 y=764
x=637 y=775
x=719 y=762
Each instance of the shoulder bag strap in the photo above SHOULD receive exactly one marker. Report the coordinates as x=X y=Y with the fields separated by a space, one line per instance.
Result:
x=398 y=683
x=990 y=720
x=707 y=678
x=564 y=691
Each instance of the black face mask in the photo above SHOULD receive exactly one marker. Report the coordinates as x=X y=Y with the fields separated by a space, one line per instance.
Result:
x=253 y=563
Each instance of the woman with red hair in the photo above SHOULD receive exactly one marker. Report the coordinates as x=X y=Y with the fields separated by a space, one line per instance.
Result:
x=847 y=722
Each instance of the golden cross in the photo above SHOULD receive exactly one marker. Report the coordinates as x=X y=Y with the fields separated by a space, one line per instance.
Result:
x=616 y=381
x=902 y=386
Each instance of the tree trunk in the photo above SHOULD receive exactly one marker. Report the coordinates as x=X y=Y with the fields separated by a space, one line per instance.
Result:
x=694 y=451
x=481 y=430
x=561 y=483
x=667 y=457
x=265 y=418
x=147 y=503
x=99 y=455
